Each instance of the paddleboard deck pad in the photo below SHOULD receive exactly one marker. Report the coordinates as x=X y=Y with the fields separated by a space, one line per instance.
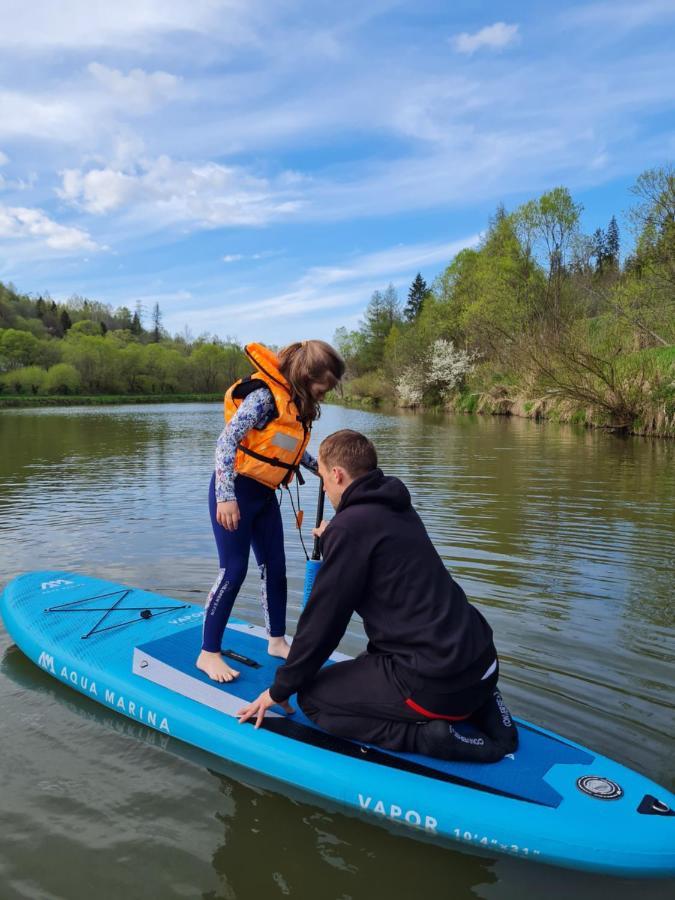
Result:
x=134 y=651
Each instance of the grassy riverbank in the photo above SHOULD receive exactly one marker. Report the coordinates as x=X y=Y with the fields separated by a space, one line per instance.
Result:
x=19 y=401
x=646 y=377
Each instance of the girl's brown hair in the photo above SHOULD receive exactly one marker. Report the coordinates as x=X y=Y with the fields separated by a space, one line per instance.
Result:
x=304 y=363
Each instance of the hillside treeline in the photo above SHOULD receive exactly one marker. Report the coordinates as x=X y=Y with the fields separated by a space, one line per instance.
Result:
x=539 y=319
x=83 y=347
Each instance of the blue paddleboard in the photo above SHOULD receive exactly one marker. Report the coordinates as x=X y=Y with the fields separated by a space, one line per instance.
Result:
x=133 y=651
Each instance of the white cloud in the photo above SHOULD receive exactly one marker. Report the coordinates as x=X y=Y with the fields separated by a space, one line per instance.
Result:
x=389 y=262
x=92 y=23
x=22 y=222
x=85 y=111
x=4 y=159
x=493 y=36
x=43 y=116
x=139 y=90
x=238 y=257
x=329 y=287
x=206 y=195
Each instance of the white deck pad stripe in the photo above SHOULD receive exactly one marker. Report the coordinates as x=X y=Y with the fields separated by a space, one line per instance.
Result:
x=209 y=695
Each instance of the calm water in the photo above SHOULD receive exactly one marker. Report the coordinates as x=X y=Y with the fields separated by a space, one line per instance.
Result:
x=563 y=537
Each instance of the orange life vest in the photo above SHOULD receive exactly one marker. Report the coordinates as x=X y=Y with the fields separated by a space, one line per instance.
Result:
x=271 y=454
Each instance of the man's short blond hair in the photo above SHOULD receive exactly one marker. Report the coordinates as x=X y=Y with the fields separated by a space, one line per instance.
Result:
x=350 y=450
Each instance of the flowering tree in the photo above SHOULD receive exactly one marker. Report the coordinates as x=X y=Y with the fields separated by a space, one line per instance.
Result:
x=409 y=387
x=442 y=370
x=447 y=366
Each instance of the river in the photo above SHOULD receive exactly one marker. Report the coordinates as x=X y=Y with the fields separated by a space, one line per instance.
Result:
x=562 y=536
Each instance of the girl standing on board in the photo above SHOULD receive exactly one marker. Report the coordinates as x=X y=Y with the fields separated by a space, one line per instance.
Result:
x=268 y=418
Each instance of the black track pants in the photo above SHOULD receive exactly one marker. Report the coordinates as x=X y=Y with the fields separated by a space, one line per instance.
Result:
x=362 y=699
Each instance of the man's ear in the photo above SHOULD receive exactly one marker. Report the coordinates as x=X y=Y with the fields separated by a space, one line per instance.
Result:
x=338 y=475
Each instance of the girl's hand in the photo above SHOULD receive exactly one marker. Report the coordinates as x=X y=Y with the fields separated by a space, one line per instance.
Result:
x=227 y=514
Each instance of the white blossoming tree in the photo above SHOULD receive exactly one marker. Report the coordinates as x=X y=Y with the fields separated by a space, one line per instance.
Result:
x=410 y=388
x=442 y=370
x=447 y=366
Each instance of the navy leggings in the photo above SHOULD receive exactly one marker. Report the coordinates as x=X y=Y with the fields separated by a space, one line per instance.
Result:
x=260 y=527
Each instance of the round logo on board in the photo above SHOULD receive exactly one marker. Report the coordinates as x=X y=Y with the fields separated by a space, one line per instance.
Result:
x=600 y=788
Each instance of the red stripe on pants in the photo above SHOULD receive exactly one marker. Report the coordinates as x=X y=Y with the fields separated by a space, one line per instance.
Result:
x=431 y=715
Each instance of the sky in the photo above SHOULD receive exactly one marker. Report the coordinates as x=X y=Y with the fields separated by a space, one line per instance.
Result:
x=260 y=167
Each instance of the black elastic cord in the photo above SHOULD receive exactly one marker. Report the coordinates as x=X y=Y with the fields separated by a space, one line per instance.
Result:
x=72 y=605
x=290 y=497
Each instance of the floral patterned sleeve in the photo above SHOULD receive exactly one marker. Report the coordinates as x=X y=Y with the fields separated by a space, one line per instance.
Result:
x=255 y=411
x=309 y=462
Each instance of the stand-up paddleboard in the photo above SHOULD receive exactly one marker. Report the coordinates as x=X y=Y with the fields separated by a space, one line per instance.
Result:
x=132 y=651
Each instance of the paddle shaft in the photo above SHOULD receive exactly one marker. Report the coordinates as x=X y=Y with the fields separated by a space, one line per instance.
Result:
x=316 y=553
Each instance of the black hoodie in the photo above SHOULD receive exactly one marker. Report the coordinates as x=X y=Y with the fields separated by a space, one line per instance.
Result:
x=378 y=561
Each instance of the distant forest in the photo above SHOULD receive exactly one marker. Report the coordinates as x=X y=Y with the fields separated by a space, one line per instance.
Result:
x=82 y=347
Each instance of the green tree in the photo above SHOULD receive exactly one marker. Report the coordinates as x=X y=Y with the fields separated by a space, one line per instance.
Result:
x=381 y=314
x=123 y=317
x=156 y=323
x=18 y=349
x=613 y=243
x=653 y=221
x=416 y=296
x=62 y=379
x=551 y=224
x=97 y=361
x=26 y=380
x=213 y=369
x=86 y=326
x=599 y=243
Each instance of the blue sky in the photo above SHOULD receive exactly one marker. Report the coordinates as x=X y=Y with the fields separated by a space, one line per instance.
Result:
x=259 y=167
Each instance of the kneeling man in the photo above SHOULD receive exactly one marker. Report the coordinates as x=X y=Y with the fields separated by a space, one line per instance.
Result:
x=430 y=660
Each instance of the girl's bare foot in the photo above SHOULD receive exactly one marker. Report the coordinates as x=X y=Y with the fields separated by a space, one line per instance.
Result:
x=278 y=646
x=215 y=668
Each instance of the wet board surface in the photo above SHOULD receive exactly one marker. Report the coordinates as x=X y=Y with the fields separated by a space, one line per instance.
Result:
x=134 y=651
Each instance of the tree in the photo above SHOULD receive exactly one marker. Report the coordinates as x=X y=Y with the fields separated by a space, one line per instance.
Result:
x=123 y=317
x=156 y=323
x=653 y=220
x=381 y=314
x=28 y=380
x=416 y=296
x=213 y=369
x=136 y=327
x=551 y=223
x=613 y=242
x=62 y=379
x=86 y=326
x=599 y=243
x=66 y=322
x=18 y=349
